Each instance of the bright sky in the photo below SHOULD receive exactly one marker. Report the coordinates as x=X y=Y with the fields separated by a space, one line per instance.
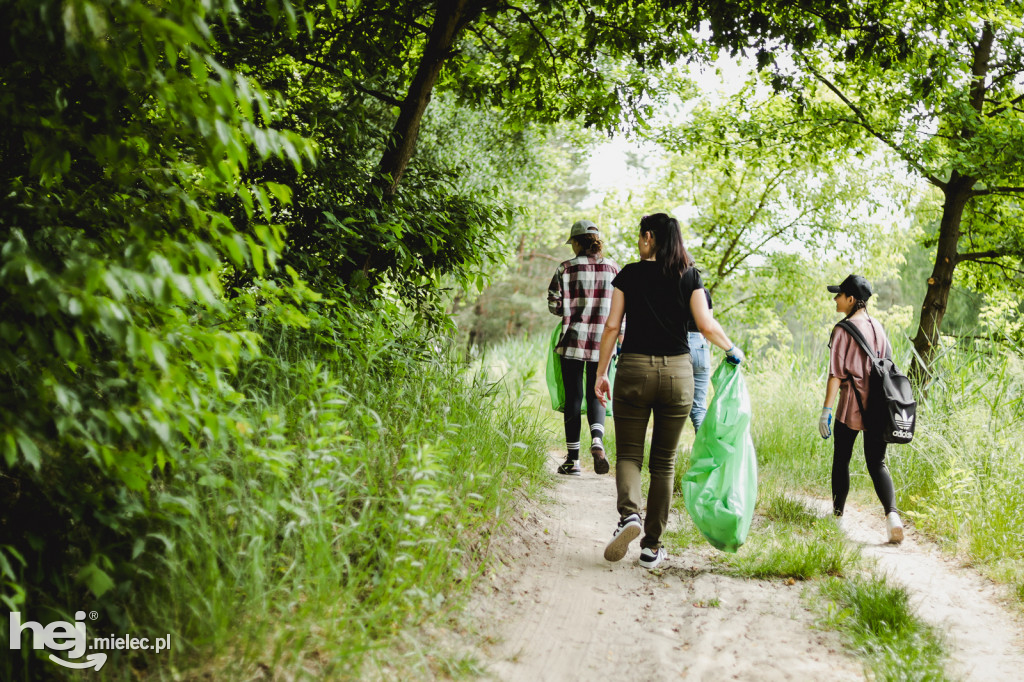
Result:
x=609 y=169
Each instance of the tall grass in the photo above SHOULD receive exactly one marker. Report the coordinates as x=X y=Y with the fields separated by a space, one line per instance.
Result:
x=963 y=476
x=363 y=504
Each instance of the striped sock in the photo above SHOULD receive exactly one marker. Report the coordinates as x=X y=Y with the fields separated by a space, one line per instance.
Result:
x=574 y=449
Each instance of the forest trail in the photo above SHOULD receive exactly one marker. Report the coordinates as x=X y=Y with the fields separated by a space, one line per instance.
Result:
x=556 y=610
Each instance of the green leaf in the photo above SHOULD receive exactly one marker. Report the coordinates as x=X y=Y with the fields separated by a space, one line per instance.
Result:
x=29 y=450
x=98 y=582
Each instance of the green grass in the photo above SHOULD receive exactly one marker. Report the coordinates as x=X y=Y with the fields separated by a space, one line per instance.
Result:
x=877 y=621
x=780 y=552
x=363 y=505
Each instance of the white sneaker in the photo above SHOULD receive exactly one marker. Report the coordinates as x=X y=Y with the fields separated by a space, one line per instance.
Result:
x=895 y=527
x=651 y=558
x=627 y=531
x=840 y=522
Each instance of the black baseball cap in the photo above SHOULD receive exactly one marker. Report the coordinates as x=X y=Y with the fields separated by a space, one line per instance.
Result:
x=855 y=286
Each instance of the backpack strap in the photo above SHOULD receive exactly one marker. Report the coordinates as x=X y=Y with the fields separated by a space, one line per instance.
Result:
x=852 y=330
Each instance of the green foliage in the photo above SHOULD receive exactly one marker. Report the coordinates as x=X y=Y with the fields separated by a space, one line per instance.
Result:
x=549 y=61
x=445 y=224
x=961 y=476
x=941 y=90
x=124 y=145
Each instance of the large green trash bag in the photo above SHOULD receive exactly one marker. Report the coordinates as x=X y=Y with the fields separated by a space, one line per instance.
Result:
x=553 y=373
x=720 y=487
x=556 y=389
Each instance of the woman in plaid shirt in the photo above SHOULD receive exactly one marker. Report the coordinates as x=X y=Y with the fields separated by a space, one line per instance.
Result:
x=581 y=294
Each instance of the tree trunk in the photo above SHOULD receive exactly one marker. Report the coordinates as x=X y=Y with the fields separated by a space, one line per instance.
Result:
x=449 y=18
x=957 y=193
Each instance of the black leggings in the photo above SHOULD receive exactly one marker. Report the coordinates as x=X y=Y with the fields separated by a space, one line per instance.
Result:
x=572 y=380
x=874 y=455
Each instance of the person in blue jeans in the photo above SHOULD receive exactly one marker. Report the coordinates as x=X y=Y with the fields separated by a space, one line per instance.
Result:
x=700 y=358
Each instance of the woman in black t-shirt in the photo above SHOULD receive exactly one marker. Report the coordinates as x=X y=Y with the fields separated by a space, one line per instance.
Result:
x=657 y=295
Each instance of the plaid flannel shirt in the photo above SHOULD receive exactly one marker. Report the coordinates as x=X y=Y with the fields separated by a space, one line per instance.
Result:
x=581 y=294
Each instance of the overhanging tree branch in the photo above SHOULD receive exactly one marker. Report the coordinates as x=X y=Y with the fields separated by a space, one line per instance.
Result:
x=1012 y=104
x=1007 y=270
x=376 y=94
x=540 y=34
x=449 y=19
x=961 y=257
x=863 y=121
x=996 y=191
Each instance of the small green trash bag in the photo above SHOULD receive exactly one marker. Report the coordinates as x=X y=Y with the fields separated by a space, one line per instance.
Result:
x=720 y=487
x=556 y=388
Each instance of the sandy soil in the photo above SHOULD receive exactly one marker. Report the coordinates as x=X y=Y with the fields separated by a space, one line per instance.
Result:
x=556 y=610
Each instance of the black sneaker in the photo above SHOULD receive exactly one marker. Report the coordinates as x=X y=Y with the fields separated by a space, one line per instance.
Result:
x=601 y=465
x=570 y=467
x=628 y=530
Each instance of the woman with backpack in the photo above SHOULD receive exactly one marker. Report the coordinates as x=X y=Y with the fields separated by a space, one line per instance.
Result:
x=849 y=368
x=658 y=296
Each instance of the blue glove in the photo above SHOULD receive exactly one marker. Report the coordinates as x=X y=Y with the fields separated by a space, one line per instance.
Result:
x=734 y=356
x=825 y=422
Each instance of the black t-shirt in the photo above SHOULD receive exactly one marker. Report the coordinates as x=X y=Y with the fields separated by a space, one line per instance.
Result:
x=657 y=308
x=691 y=324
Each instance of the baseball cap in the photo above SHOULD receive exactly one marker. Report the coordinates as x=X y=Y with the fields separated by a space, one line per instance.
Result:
x=581 y=227
x=855 y=286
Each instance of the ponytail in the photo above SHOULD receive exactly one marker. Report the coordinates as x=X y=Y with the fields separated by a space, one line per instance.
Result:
x=590 y=244
x=857 y=305
x=672 y=253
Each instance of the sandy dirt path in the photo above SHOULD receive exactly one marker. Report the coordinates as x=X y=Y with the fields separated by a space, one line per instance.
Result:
x=556 y=610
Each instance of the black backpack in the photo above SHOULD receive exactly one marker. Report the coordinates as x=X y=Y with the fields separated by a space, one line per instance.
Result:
x=891 y=402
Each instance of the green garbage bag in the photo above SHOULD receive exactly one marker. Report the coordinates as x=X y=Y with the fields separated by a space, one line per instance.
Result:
x=553 y=373
x=556 y=389
x=720 y=487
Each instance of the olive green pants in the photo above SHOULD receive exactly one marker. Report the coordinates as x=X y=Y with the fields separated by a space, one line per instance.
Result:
x=646 y=385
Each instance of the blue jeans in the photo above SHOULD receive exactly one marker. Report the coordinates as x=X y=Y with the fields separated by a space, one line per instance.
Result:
x=700 y=357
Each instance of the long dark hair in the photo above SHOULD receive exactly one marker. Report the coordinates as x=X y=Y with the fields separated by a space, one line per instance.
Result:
x=672 y=253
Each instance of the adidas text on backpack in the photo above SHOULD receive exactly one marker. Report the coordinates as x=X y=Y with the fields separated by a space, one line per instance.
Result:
x=891 y=405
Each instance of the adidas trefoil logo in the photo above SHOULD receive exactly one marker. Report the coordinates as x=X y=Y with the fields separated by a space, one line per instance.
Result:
x=903 y=420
